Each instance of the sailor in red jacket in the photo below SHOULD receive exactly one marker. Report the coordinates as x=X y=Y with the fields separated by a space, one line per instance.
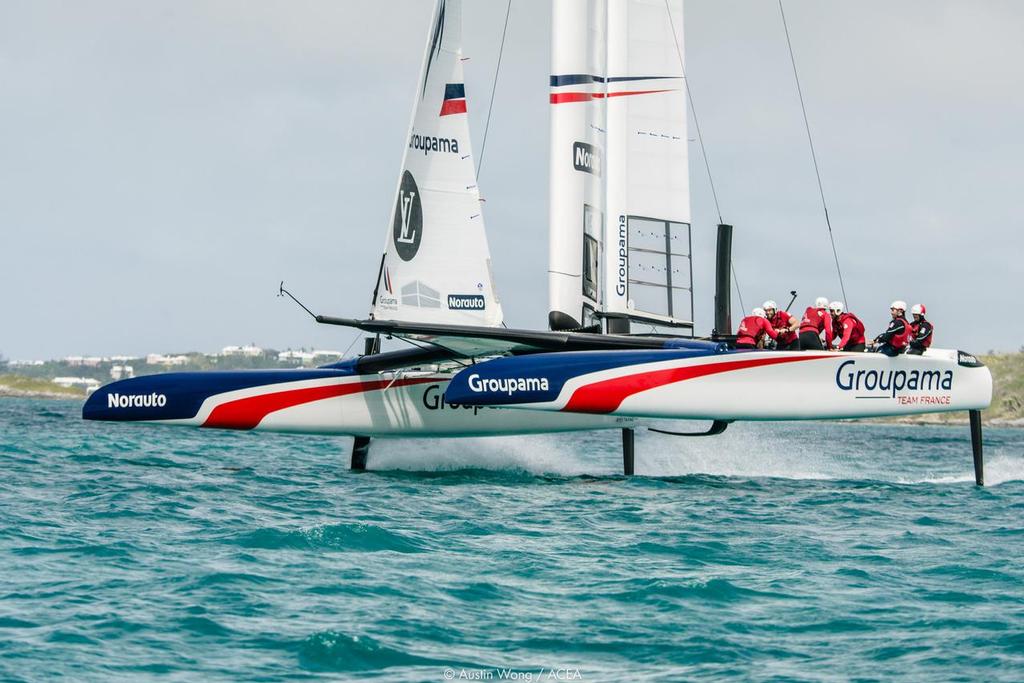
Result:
x=816 y=320
x=921 y=331
x=894 y=340
x=849 y=329
x=785 y=323
x=752 y=330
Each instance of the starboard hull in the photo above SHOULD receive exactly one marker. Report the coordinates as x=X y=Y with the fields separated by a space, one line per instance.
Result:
x=740 y=385
x=321 y=401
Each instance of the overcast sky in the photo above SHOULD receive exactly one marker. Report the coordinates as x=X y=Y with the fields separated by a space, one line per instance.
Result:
x=164 y=164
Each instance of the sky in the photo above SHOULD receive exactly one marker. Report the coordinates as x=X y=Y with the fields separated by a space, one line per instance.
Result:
x=163 y=165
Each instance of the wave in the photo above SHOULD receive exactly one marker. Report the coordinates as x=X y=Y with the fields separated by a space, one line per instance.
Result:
x=1000 y=469
x=337 y=651
x=341 y=537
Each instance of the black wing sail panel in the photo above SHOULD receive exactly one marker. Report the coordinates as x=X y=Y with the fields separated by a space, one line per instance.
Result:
x=475 y=341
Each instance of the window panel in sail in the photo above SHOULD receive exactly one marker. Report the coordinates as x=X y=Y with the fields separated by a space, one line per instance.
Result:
x=660 y=271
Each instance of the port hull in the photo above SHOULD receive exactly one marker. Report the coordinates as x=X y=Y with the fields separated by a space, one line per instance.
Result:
x=320 y=401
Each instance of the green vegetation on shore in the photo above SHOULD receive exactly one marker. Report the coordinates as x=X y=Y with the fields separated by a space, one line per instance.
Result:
x=21 y=385
x=1008 y=391
x=1007 y=407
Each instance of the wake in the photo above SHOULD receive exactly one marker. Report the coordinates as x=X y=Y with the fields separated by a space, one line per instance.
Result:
x=798 y=451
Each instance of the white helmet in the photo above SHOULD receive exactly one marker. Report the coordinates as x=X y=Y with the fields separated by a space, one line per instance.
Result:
x=836 y=307
x=759 y=312
x=918 y=309
x=821 y=302
x=770 y=304
x=899 y=305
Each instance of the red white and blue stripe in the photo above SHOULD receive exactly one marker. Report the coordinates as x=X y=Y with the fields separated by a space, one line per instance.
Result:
x=228 y=400
x=596 y=382
x=454 y=99
x=567 y=88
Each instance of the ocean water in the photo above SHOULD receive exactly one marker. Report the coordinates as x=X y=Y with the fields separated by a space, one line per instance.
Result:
x=817 y=551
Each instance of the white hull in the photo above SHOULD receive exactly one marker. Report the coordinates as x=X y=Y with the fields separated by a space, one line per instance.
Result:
x=767 y=385
x=419 y=410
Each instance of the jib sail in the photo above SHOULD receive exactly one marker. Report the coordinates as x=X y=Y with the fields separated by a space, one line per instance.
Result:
x=436 y=263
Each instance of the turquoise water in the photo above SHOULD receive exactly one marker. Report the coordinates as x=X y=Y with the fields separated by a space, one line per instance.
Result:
x=792 y=551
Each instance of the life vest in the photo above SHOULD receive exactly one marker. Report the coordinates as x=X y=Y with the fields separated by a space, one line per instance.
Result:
x=813 y=320
x=781 y=321
x=900 y=341
x=915 y=328
x=853 y=330
x=817 y=320
x=752 y=329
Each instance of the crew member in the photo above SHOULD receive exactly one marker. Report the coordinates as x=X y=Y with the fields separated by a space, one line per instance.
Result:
x=849 y=328
x=920 y=331
x=753 y=328
x=815 y=321
x=894 y=340
x=785 y=323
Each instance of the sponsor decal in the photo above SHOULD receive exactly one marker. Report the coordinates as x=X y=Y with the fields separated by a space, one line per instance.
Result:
x=387 y=281
x=408 y=227
x=430 y=143
x=433 y=399
x=968 y=360
x=153 y=400
x=890 y=383
x=417 y=293
x=620 y=286
x=466 y=302
x=586 y=158
x=507 y=385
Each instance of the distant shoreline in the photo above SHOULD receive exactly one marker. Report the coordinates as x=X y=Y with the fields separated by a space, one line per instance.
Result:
x=8 y=392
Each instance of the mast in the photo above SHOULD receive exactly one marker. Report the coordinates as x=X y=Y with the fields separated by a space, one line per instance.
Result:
x=577 y=204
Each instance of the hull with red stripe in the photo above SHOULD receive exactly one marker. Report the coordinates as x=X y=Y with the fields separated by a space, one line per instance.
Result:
x=739 y=385
x=320 y=401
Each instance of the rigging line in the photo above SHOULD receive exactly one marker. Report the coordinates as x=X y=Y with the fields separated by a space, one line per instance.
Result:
x=736 y=281
x=693 y=110
x=359 y=335
x=494 y=87
x=427 y=346
x=700 y=142
x=814 y=156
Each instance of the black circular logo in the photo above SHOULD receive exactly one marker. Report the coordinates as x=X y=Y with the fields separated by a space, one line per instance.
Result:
x=408 y=227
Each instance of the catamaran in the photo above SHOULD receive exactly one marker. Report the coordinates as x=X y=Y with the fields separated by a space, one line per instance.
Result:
x=620 y=253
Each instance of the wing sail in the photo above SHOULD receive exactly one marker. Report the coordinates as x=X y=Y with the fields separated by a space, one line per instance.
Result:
x=620 y=201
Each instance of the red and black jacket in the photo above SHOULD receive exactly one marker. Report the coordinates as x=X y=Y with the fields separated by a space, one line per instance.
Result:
x=921 y=332
x=896 y=335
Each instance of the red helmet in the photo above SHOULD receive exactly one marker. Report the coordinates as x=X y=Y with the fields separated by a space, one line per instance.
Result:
x=918 y=309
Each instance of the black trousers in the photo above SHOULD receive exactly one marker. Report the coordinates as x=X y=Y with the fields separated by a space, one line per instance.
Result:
x=914 y=351
x=791 y=346
x=810 y=341
x=745 y=346
x=888 y=350
x=854 y=347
